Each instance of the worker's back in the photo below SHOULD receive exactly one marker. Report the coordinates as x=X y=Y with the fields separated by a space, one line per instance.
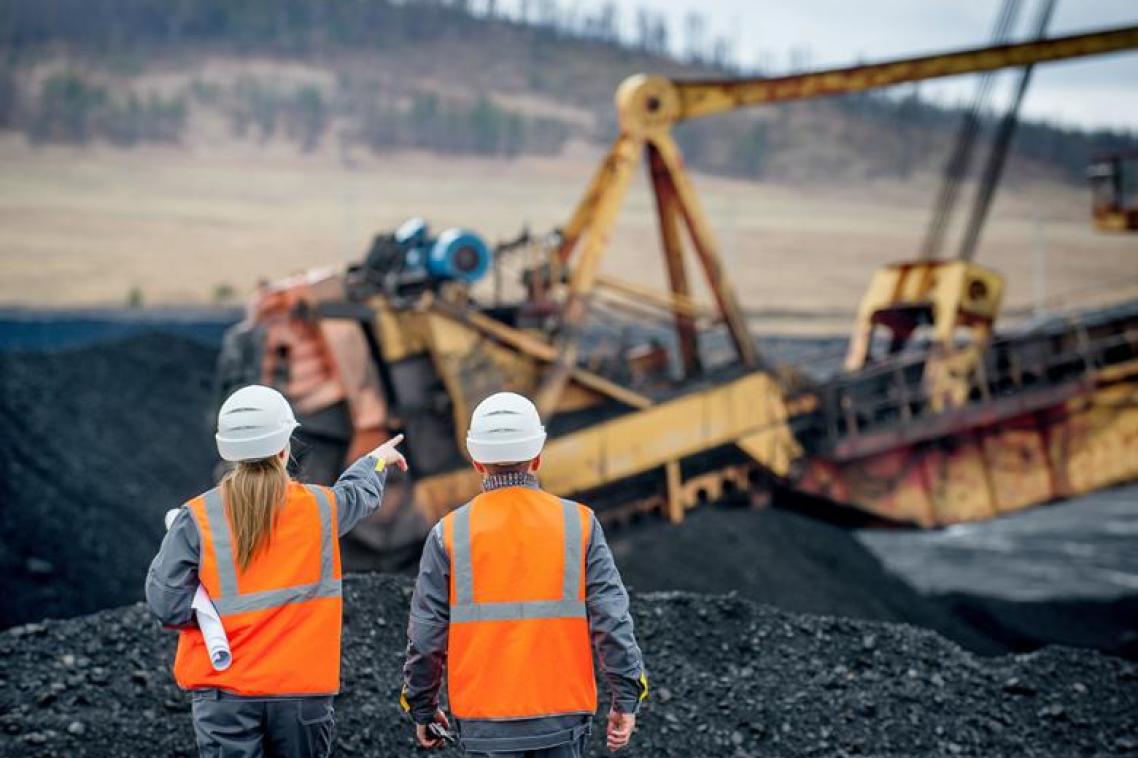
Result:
x=513 y=590
x=519 y=637
x=282 y=612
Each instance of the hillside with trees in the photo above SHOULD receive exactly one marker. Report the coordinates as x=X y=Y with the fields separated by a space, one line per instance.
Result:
x=445 y=76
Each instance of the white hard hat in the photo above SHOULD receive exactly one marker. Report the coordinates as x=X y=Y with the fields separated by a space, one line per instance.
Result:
x=505 y=428
x=255 y=422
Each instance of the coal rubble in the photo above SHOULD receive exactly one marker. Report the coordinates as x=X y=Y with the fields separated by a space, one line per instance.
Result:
x=728 y=677
x=95 y=445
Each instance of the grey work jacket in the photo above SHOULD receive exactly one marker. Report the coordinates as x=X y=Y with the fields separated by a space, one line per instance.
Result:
x=610 y=627
x=173 y=576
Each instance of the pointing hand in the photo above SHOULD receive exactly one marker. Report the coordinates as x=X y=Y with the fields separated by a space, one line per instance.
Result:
x=389 y=455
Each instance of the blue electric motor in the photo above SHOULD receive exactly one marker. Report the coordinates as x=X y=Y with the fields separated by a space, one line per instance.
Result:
x=455 y=255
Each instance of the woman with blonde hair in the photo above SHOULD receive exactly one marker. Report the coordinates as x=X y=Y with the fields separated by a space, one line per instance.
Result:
x=265 y=549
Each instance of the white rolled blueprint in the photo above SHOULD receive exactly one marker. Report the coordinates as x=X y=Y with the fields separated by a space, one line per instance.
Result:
x=212 y=631
x=216 y=642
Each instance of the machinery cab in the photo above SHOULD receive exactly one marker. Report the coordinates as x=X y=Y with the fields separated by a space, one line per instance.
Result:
x=1114 y=192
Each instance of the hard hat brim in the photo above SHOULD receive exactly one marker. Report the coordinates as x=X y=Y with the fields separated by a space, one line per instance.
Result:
x=256 y=448
x=506 y=451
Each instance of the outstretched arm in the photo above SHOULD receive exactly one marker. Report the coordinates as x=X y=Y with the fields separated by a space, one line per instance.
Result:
x=427 y=631
x=359 y=490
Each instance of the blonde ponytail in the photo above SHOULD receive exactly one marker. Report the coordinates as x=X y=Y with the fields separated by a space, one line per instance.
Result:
x=254 y=492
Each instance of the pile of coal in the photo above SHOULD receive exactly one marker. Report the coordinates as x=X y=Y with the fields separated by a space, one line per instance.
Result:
x=786 y=559
x=95 y=445
x=728 y=678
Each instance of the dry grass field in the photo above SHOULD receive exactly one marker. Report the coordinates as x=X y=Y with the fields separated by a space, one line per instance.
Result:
x=88 y=226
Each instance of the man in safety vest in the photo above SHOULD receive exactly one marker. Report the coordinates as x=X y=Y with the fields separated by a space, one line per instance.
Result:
x=515 y=589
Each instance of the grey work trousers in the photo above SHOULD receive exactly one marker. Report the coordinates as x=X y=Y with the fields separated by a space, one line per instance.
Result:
x=575 y=749
x=233 y=727
x=568 y=750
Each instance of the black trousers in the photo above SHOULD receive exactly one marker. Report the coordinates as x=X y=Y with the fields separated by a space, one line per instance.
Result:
x=232 y=727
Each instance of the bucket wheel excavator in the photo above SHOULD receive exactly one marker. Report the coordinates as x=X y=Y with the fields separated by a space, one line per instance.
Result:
x=937 y=423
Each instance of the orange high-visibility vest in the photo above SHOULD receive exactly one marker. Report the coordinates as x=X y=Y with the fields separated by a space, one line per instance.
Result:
x=519 y=644
x=282 y=614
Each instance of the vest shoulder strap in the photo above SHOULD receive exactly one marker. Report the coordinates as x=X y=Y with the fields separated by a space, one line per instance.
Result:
x=465 y=609
x=229 y=599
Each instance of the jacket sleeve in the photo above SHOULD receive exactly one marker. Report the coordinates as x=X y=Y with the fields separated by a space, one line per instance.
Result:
x=610 y=625
x=173 y=576
x=427 y=630
x=358 y=491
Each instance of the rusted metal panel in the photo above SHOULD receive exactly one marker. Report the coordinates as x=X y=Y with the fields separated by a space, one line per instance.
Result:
x=1018 y=467
x=957 y=477
x=1098 y=445
x=533 y=347
x=890 y=485
x=1082 y=441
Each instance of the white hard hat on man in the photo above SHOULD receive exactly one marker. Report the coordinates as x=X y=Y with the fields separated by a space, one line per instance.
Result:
x=505 y=428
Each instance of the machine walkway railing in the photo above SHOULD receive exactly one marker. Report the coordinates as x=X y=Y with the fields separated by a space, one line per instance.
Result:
x=898 y=392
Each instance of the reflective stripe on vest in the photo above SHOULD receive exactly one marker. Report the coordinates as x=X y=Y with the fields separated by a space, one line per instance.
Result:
x=230 y=600
x=466 y=610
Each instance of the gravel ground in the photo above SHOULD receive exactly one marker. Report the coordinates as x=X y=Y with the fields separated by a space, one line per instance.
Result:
x=729 y=678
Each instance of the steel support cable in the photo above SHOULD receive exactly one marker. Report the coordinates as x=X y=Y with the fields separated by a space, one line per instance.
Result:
x=959 y=161
x=997 y=157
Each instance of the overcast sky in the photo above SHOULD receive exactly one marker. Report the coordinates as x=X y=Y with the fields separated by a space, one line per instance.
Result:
x=1099 y=92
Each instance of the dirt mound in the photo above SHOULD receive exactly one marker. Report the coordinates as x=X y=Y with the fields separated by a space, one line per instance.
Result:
x=729 y=677
x=95 y=444
x=782 y=558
